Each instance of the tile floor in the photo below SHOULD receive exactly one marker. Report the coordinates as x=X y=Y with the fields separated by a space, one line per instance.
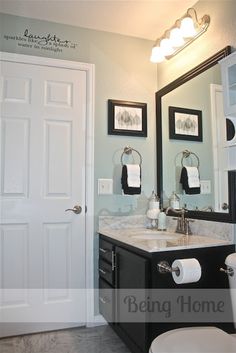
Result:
x=78 y=340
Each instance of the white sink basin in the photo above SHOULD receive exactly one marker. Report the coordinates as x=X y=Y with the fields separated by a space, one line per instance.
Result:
x=150 y=235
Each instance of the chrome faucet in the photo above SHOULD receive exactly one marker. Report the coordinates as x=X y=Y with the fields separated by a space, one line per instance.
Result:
x=205 y=209
x=183 y=225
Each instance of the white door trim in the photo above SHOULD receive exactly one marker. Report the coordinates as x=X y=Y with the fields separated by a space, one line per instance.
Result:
x=220 y=153
x=89 y=167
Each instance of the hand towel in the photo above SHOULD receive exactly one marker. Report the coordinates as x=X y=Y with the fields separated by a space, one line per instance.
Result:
x=133 y=175
x=132 y=179
x=193 y=177
x=184 y=180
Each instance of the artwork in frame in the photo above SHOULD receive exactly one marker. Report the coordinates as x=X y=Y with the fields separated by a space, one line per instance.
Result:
x=127 y=118
x=185 y=124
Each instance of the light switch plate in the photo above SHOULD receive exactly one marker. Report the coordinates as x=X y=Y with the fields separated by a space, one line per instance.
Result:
x=105 y=186
x=205 y=186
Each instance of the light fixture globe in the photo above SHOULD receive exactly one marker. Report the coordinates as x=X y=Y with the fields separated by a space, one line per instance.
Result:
x=166 y=47
x=176 y=37
x=157 y=55
x=187 y=27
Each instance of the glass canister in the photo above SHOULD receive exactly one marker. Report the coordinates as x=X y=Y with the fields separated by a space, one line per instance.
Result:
x=174 y=201
x=154 y=201
x=153 y=210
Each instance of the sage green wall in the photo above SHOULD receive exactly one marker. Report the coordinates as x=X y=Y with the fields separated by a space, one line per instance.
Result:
x=122 y=71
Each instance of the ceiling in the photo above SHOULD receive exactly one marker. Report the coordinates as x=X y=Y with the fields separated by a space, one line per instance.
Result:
x=144 y=19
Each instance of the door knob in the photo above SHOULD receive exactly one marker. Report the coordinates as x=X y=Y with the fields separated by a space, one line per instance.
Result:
x=76 y=209
x=225 y=206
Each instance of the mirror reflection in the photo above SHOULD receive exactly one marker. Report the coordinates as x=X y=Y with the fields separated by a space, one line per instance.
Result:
x=198 y=98
x=194 y=102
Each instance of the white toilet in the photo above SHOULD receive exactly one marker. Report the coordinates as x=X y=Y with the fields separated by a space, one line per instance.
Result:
x=201 y=339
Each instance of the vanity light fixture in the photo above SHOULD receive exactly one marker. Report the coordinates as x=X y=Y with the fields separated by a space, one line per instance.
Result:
x=185 y=30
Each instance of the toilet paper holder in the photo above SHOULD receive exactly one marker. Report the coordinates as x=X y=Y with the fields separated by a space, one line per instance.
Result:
x=164 y=267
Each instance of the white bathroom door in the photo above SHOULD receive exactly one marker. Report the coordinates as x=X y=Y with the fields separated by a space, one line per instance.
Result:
x=42 y=246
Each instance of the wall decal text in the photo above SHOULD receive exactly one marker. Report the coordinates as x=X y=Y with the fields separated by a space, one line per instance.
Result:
x=48 y=41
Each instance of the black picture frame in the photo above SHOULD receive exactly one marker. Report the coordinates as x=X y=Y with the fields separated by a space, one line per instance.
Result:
x=127 y=118
x=185 y=124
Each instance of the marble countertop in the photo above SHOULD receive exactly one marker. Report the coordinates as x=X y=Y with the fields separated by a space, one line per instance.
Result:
x=152 y=240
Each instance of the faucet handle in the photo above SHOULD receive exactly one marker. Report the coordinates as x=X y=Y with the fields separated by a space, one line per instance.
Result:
x=187 y=226
x=179 y=225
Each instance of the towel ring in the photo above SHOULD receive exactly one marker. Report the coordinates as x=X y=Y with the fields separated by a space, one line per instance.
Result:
x=129 y=150
x=186 y=154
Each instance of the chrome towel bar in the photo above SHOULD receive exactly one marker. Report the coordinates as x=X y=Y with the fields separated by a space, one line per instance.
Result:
x=128 y=150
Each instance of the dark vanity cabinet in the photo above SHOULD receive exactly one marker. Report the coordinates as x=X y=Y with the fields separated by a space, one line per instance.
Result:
x=121 y=269
x=132 y=273
x=106 y=268
x=124 y=270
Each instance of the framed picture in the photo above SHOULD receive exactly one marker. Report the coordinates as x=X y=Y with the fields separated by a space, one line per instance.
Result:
x=127 y=118
x=185 y=124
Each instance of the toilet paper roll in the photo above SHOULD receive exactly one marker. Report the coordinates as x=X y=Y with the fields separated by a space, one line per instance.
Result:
x=189 y=271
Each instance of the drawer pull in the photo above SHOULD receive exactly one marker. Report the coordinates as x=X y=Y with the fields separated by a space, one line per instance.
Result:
x=104 y=251
x=102 y=271
x=113 y=261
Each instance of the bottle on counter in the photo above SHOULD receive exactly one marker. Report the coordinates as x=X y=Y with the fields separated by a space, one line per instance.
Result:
x=162 y=220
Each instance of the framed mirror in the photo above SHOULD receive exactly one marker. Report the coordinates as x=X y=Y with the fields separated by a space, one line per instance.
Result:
x=196 y=98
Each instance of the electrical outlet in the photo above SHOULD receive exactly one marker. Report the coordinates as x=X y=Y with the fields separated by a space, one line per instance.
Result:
x=205 y=186
x=105 y=186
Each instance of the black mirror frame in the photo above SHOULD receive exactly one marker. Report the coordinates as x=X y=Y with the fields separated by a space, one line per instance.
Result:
x=229 y=217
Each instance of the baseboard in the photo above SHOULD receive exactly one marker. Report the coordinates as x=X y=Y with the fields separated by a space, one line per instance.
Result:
x=98 y=321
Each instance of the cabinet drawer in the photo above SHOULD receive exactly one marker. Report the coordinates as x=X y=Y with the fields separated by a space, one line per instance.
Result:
x=105 y=250
x=106 y=272
x=106 y=300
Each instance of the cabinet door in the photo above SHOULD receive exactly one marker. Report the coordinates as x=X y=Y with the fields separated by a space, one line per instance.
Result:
x=106 y=300
x=131 y=282
x=228 y=70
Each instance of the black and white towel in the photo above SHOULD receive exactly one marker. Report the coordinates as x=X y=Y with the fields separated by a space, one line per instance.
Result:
x=131 y=179
x=190 y=180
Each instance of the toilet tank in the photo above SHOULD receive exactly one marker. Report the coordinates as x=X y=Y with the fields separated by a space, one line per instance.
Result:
x=230 y=262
